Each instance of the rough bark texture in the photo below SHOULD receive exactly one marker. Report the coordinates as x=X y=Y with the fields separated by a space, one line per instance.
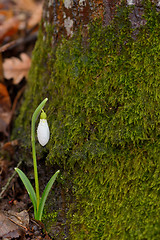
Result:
x=98 y=63
x=68 y=15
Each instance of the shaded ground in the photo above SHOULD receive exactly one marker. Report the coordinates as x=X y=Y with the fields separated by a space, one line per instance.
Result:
x=15 y=200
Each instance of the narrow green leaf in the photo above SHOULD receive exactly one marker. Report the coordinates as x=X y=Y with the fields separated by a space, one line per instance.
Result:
x=29 y=189
x=45 y=195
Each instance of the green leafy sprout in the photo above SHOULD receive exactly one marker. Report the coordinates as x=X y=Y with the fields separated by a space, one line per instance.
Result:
x=38 y=203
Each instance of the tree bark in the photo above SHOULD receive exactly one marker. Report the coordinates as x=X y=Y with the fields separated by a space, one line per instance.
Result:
x=69 y=15
x=103 y=109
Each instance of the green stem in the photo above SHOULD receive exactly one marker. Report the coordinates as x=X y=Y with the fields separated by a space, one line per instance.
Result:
x=34 y=118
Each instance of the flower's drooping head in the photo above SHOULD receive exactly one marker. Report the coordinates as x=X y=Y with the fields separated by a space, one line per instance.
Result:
x=43 y=130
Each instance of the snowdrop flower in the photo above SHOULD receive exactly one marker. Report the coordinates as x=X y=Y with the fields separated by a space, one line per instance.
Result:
x=43 y=130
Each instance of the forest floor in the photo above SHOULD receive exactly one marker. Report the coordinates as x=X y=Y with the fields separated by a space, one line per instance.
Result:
x=19 y=23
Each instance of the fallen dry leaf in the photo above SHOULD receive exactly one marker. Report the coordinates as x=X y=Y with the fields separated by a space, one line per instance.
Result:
x=5 y=101
x=21 y=219
x=9 y=27
x=5 y=14
x=29 y=5
x=35 y=17
x=13 y=224
x=34 y=8
x=8 y=228
x=5 y=109
x=1 y=69
x=23 y=16
x=15 y=68
x=3 y=168
x=9 y=147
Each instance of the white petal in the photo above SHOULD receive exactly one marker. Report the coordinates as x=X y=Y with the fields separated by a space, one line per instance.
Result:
x=43 y=132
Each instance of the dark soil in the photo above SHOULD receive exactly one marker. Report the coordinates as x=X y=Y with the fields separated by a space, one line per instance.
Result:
x=14 y=197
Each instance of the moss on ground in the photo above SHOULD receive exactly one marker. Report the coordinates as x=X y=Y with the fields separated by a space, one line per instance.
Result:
x=104 y=116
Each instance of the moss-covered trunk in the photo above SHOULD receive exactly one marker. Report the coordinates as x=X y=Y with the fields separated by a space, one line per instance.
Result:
x=102 y=77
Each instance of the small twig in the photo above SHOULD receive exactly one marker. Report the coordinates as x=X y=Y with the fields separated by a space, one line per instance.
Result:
x=4 y=189
x=16 y=100
x=17 y=42
x=7 y=45
x=26 y=229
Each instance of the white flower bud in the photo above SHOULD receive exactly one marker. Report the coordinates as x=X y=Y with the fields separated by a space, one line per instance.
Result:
x=43 y=132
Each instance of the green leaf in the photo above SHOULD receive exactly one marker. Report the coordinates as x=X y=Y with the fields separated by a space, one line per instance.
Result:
x=45 y=195
x=29 y=189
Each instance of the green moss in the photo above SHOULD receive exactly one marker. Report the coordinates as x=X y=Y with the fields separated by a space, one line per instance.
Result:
x=103 y=110
x=37 y=88
x=49 y=217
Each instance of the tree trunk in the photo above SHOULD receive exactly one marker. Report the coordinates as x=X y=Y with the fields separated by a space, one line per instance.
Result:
x=68 y=16
x=98 y=63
